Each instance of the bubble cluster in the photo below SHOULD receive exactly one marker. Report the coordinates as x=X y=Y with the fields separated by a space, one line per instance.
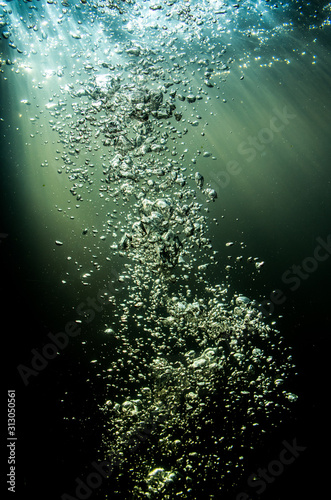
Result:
x=196 y=378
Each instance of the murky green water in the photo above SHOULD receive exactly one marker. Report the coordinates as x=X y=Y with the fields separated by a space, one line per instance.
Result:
x=165 y=170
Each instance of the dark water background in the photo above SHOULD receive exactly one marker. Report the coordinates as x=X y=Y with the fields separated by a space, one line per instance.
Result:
x=278 y=205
